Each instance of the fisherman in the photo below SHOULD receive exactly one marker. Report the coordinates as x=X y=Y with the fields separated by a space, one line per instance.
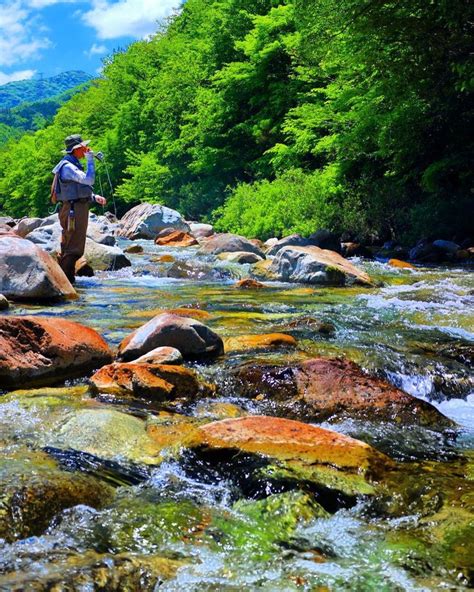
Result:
x=72 y=188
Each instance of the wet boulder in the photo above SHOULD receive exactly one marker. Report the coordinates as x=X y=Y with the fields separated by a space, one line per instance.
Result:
x=229 y=243
x=66 y=570
x=159 y=382
x=259 y=342
x=301 y=451
x=189 y=336
x=38 y=350
x=176 y=238
x=28 y=272
x=330 y=388
x=33 y=489
x=147 y=220
x=240 y=257
x=312 y=265
x=107 y=434
x=103 y=257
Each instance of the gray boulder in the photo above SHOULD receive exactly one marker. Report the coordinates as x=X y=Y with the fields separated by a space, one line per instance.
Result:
x=240 y=257
x=201 y=230
x=28 y=272
x=312 y=265
x=229 y=243
x=192 y=338
x=26 y=225
x=147 y=220
x=104 y=257
x=4 y=304
x=7 y=220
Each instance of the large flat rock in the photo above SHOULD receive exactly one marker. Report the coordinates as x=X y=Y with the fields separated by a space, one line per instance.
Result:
x=147 y=220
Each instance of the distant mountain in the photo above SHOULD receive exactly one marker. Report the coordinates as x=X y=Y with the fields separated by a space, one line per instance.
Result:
x=30 y=91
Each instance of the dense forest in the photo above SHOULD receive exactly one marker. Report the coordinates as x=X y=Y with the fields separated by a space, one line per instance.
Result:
x=269 y=117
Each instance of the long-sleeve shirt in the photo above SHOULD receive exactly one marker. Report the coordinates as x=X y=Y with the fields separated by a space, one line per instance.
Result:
x=69 y=172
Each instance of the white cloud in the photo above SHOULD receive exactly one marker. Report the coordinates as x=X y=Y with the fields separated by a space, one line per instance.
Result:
x=17 y=42
x=96 y=50
x=42 y=3
x=14 y=76
x=127 y=18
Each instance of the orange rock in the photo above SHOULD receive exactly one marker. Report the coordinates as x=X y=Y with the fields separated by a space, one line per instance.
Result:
x=177 y=238
x=45 y=350
x=250 y=284
x=249 y=342
x=400 y=264
x=285 y=439
x=163 y=259
x=156 y=381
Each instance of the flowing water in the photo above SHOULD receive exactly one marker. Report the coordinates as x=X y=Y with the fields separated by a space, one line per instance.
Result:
x=416 y=331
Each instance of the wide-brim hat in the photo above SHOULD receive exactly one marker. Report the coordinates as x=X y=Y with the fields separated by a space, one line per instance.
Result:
x=73 y=142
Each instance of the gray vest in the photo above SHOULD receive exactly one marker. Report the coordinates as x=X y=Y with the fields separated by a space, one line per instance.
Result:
x=70 y=190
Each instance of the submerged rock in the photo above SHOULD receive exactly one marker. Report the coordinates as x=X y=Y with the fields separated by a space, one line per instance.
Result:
x=197 y=270
x=147 y=220
x=249 y=284
x=44 y=350
x=33 y=489
x=29 y=273
x=312 y=265
x=258 y=342
x=65 y=570
x=134 y=249
x=108 y=434
x=302 y=452
x=189 y=336
x=326 y=388
x=229 y=243
x=154 y=381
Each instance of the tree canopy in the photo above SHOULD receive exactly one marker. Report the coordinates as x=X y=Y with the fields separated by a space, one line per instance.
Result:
x=270 y=116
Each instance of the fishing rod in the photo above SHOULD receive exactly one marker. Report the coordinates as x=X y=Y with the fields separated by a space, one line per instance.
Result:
x=100 y=156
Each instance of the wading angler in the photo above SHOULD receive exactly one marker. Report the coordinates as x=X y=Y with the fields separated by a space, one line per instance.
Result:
x=72 y=188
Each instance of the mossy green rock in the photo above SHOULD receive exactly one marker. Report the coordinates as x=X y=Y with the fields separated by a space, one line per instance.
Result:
x=108 y=434
x=33 y=489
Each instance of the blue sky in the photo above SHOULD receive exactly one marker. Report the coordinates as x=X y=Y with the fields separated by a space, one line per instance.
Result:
x=51 y=36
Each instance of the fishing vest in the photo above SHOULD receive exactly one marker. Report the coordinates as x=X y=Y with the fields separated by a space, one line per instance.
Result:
x=71 y=190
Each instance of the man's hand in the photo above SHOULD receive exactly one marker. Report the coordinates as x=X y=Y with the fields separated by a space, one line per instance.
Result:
x=100 y=200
